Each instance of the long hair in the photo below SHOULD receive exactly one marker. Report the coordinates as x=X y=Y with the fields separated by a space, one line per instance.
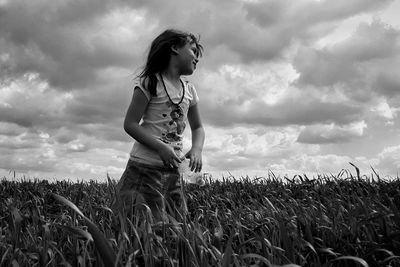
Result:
x=160 y=54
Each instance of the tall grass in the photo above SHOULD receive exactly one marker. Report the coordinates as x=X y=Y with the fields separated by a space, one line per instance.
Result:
x=326 y=221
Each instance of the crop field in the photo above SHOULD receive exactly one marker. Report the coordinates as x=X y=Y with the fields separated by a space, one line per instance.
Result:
x=343 y=220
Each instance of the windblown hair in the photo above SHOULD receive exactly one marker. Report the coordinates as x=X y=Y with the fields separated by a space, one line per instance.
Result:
x=160 y=54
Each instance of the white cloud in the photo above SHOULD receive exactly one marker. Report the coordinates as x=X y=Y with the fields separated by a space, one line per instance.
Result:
x=323 y=164
x=331 y=133
x=383 y=109
x=389 y=160
x=31 y=101
x=255 y=148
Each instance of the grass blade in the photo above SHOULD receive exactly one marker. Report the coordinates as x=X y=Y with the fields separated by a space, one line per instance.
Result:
x=352 y=258
x=69 y=204
x=102 y=245
x=77 y=231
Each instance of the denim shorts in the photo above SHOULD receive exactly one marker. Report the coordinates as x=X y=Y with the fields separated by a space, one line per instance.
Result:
x=159 y=187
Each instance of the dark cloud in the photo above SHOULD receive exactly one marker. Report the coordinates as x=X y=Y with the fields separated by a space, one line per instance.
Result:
x=64 y=44
x=30 y=104
x=307 y=13
x=17 y=143
x=65 y=135
x=11 y=129
x=257 y=31
x=107 y=132
x=307 y=137
x=293 y=112
x=358 y=64
x=321 y=68
x=267 y=13
x=279 y=23
x=24 y=119
x=370 y=41
x=388 y=84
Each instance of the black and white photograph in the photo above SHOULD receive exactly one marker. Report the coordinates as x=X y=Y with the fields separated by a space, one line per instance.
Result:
x=200 y=133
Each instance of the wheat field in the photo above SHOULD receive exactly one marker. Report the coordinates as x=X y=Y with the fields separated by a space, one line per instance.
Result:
x=342 y=220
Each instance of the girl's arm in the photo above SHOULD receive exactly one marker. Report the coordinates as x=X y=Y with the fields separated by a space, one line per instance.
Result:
x=198 y=137
x=133 y=116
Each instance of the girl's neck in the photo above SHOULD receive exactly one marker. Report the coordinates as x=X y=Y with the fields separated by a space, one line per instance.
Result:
x=172 y=75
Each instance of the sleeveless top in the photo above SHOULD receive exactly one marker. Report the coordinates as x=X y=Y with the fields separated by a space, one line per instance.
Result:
x=164 y=120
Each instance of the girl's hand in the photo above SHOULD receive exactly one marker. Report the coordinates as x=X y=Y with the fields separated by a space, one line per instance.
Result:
x=168 y=156
x=196 y=162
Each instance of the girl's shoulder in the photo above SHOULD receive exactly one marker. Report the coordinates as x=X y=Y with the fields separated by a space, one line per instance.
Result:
x=191 y=92
x=142 y=84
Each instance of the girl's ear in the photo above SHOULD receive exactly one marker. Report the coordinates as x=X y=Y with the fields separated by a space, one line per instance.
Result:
x=174 y=50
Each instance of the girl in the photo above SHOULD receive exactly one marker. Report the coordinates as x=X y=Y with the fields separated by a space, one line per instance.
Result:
x=156 y=119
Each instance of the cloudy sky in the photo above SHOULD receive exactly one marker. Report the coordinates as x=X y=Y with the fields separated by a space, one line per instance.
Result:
x=285 y=86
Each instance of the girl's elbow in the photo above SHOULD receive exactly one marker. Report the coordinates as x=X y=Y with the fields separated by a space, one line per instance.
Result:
x=128 y=127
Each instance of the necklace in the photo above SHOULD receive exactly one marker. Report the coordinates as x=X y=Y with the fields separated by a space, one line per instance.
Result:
x=183 y=94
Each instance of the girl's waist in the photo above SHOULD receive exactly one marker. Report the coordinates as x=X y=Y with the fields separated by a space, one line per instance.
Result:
x=147 y=165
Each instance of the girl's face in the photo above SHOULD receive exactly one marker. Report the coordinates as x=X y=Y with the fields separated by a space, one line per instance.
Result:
x=187 y=58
